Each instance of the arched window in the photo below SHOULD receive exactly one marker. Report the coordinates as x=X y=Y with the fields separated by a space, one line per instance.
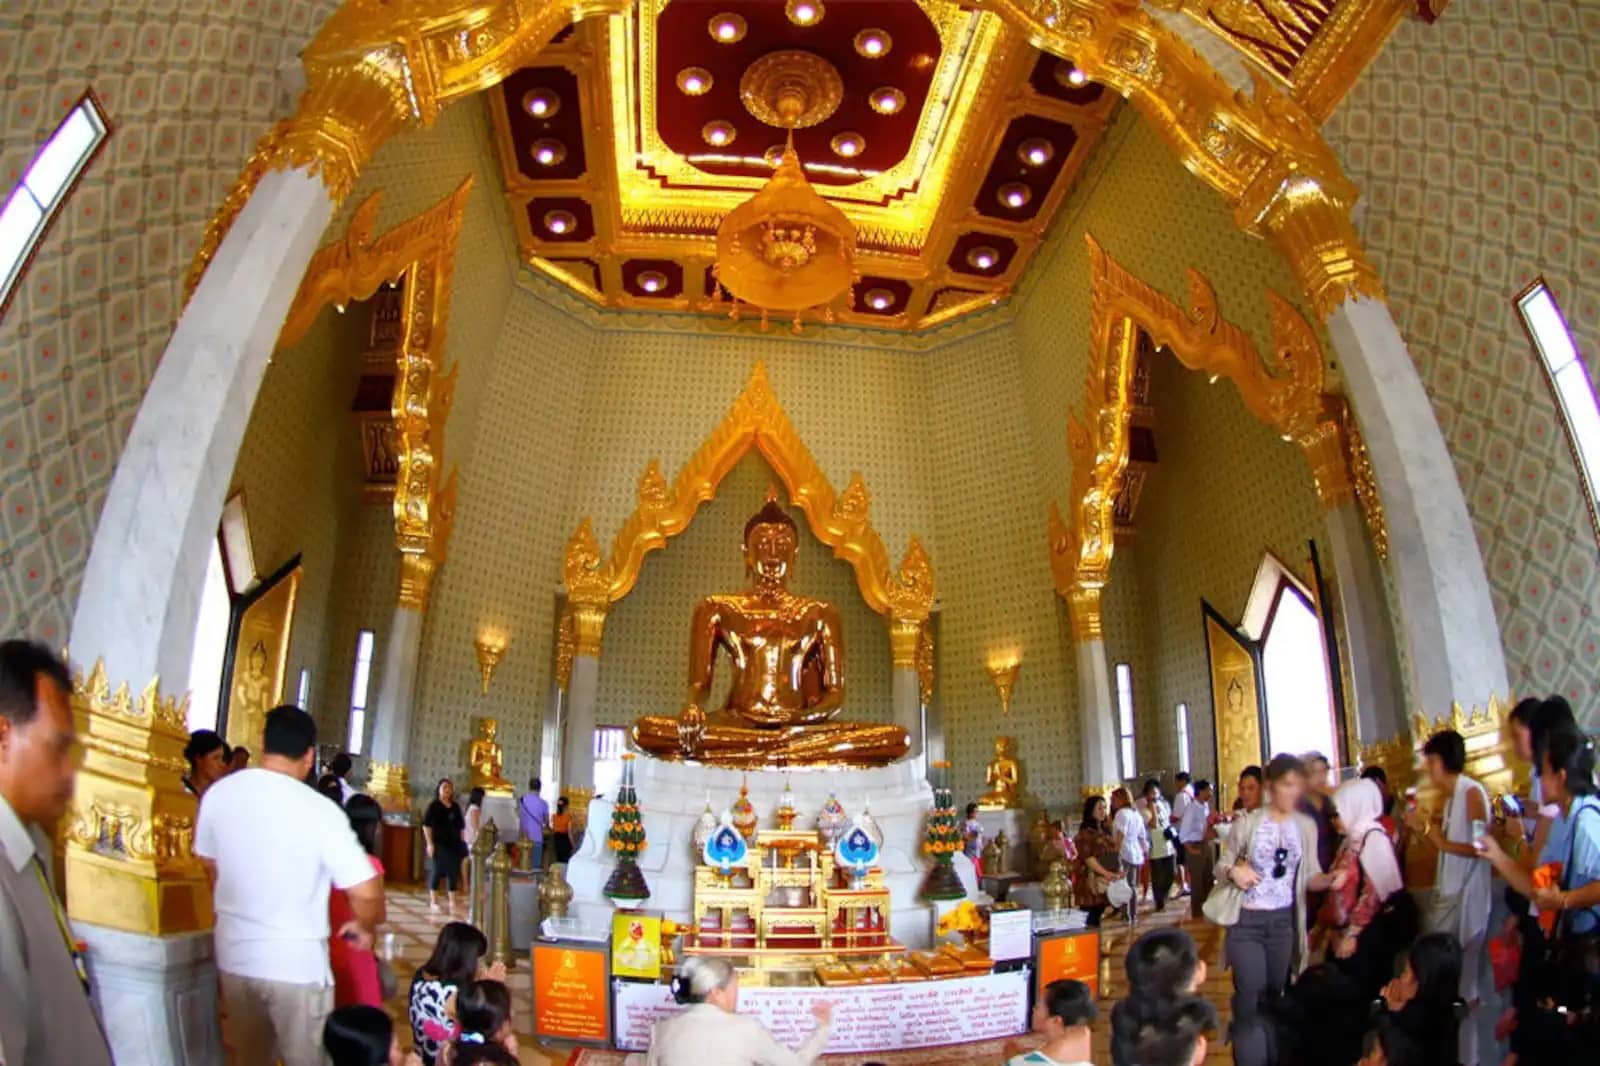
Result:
x=1294 y=667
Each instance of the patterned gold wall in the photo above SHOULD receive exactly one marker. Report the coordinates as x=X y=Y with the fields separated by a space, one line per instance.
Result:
x=1476 y=144
x=188 y=89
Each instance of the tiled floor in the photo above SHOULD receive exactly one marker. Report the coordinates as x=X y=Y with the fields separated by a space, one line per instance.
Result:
x=413 y=930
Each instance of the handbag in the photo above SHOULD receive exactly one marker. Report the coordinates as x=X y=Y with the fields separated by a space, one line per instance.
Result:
x=1223 y=904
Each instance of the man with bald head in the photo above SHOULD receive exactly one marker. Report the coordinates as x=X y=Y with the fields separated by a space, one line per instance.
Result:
x=48 y=1018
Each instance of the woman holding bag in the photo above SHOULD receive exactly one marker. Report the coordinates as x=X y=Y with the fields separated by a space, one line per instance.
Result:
x=1268 y=865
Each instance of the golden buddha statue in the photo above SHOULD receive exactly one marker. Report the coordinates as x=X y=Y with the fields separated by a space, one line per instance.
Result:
x=1004 y=778
x=483 y=756
x=787 y=656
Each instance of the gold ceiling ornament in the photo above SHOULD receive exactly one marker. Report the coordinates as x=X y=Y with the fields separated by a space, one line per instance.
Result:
x=490 y=648
x=128 y=837
x=1289 y=397
x=925 y=664
x=1003 y=669
x=423 y=249
x=756 y=421
x=786 y=249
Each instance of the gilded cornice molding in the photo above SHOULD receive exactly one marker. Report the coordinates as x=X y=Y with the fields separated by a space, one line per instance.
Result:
x=423 y=250
x=1286 y=394
x=755 y=421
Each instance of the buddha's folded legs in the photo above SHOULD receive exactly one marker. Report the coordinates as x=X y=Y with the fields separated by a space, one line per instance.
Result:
x=827 y=744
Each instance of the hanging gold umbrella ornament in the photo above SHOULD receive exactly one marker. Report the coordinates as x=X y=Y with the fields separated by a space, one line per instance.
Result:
x=786 y=250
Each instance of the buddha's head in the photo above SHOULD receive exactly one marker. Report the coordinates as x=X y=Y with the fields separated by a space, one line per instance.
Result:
x=489 y=727
x=770 y=541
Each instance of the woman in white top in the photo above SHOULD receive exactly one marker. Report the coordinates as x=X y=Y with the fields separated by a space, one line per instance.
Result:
x=1158 y=826
x=1462 y=893
x=710 y=1033
x=1133 y=844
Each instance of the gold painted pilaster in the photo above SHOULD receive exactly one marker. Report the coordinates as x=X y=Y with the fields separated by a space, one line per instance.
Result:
x=1083 y=610
x=588 y=629
x=1325 y=453
x=129 y=834
x=390 y=785
x=905 y=638
x=1313 y=231
x=416 y=580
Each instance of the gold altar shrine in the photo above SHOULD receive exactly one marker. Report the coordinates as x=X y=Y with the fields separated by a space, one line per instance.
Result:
x=788 y=897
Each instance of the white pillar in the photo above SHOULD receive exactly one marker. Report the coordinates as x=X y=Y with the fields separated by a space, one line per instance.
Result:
x=141 y=589
x=1101 y=765
x=577 y=754
x=906 y=694
x=1446 y=613
x=1366 y=634
x=390 y=751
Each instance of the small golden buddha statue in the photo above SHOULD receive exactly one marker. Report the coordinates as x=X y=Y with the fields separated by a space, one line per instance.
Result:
x=787 y=656
x=483 y=756
x=1004 y=778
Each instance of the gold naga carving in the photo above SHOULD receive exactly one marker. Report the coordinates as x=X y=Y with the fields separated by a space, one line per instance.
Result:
x=128 y=838
x=423 y=250
x=840 y=520
x=1286 y=395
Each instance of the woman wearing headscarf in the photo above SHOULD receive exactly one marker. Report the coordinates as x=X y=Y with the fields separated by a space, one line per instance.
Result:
x=1365 y=920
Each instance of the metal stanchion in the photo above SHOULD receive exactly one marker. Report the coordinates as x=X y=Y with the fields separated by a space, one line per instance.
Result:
x=477 y=898
x=499 y=931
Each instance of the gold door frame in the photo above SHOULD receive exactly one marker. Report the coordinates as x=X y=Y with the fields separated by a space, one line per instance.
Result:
x=1238 y=704
x=258 y=655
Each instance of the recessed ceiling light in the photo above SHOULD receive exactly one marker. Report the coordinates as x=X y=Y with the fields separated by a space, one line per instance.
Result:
x=694 y=81
x=652 y=280
x=548 y=152
x=773 y=155
x=560 y=222
x=1070 y=75
x=879 y=299
x=887 y=100
x=718 y=133
x=872 y=44
x=727 y=28
x=541 y=103
x=983 y=257
x=1035 y=151
x=1014 y=194
x=848 y=144
x=804 y=12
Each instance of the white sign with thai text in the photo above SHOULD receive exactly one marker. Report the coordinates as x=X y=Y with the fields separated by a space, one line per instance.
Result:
x=865 y=1017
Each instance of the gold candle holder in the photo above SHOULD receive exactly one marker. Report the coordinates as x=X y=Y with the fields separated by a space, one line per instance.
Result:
x=1003 y=672
x=491 y=647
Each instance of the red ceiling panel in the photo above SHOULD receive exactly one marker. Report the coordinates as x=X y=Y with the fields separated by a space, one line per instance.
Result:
x=541 y=216
x=564 y=126
x=1005 y=250
x=639 y=274
x=684 y=40
x=1049 y=79
x=1008 y=167
x=868 y=289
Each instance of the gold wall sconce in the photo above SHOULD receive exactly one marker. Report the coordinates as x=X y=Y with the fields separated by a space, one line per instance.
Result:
x=1003 y=667
x=491 y=646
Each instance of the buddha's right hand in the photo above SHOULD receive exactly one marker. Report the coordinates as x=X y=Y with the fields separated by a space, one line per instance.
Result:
x=691 y=729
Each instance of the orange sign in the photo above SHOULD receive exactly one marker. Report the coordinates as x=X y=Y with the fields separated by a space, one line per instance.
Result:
x=569 y=993
x=1075 y=957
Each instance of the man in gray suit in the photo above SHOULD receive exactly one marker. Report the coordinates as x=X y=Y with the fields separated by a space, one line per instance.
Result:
x=46 y=1016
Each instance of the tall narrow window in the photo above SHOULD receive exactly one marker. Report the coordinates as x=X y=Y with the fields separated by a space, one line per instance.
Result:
x=210 y=644
x=1294 y=667
x=34 y=203
x=359 y=683
x=1570 y=382
x=1124 y=674
x=302 y=696
x=610 y=741
x=1183 y=737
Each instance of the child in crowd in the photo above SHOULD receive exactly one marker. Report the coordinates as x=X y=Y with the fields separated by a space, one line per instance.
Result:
x=363 y=1036
x=483 y=1017
x=457 y=959
x=1423 y=1001
x=1164 y=963
x=1063 y=1016
x=1161 y=1031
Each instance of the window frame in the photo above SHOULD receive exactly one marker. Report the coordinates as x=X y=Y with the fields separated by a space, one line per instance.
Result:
x=1181 y=712
x=10 y=284
x=356 y=714
x=1127 y=743
x=1590 y=478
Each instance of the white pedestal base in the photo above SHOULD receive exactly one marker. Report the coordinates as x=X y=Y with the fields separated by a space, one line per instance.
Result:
x=672 y=795
x=157 y=995
x=502 y=811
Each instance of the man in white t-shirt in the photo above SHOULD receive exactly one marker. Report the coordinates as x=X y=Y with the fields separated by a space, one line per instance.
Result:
x=273 y=847
x=1180 y=802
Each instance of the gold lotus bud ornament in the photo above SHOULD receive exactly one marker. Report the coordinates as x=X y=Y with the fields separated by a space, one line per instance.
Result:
x=491 y=647
x=1003 y=672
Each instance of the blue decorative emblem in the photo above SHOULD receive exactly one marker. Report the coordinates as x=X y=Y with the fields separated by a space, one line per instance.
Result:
x=725 y=847
x=856 y=851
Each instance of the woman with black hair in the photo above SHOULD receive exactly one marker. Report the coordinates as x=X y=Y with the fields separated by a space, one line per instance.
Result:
x=483 y=1017
x=457 y=959
x=355 y=969
x=443 y=834
x=1096 y=866
x=207 y=754
x=1423 y=1000
x=363 y=1036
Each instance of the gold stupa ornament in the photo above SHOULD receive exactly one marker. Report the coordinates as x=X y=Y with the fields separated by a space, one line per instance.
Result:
x=786 y=250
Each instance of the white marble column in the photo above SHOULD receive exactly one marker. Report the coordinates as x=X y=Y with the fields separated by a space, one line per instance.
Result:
x=1098 y=714
x=905 y=686
x=141 y=588
x=577 y=751
x=390 y=751
x=1366 y=636
x=1446 y=613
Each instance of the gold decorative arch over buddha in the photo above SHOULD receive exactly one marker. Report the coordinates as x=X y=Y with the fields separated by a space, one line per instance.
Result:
x=422 y=249
x=756 y=421
x=1286 y=394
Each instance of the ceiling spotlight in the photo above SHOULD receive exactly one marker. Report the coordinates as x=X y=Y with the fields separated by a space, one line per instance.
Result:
x=1035 y=151
x=560 y=222
x=694 y=81
x=983 y=257
x=541 y=103
x=1068 y=74
x=848 y=144
x=548 y=152
x=887 y=101
x=879 y=299
x=727 y=28
x=652 y=280
x=1014 y=194
x=871 y=44
x=804 y=12
x=718 y=133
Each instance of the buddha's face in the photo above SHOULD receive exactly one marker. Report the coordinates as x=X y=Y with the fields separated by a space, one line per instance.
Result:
x=490 y=728
x=769 y=553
